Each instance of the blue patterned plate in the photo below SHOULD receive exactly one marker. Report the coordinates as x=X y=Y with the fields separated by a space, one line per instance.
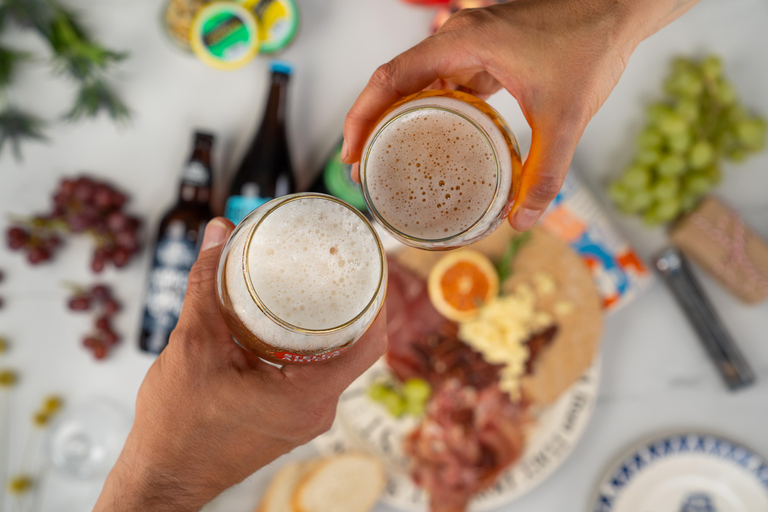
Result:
x=685 y=472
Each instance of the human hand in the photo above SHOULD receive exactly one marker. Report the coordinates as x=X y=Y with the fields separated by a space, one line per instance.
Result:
x=559 y=58
x=209 y=414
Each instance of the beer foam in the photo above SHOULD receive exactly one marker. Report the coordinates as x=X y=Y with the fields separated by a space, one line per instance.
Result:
x=315 y=264
x=432 y=173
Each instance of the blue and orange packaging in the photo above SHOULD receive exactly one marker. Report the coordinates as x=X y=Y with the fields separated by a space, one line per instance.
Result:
x=577 y=218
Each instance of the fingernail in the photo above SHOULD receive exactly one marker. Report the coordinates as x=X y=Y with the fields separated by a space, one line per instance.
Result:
x=355 y=172
x=215 y=234
x=525 y=218
x=344 y=150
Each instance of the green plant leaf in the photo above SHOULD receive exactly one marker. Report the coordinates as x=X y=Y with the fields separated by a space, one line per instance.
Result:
x=16 y=126
x=506 y=264
x=8 y=60
x=93 y=97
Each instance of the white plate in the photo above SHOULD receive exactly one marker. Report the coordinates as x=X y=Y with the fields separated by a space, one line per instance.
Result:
x=685 y=472
x=364 y=425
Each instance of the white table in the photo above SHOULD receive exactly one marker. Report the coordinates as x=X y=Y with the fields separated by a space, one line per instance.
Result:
x=655 y=376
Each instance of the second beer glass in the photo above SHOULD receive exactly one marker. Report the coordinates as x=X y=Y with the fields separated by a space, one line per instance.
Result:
x=301 y=279
x=440 y=170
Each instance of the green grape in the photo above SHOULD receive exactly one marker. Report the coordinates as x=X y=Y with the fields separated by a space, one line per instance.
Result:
x=671 y=165
x=751 y=134
x=394 y=403
x=682 y=65
x=415 y=408
x=650 y=138
x=637 y=202
x=636 y=178
x=696 y=184
x=688 y=203
x=647 y=157
x=686 y=84
x=711 y=67
x=736 y=154
x=668 y=209
x=377 y=391
x=724 y=92
x=687 y=109
x=701 y=155
x=657 y=112
x=712 y=174
x=618 y=192
x=735 y=113
x=416 y=390
x=679 y=143
x=665 y=188
x=672 y=124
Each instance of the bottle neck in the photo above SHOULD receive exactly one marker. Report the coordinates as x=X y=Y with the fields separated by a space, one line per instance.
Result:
x=196 y=179
x=275 y=111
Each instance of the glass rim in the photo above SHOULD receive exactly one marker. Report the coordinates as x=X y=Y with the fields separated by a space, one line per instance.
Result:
x=268 y=312
x=372 y=206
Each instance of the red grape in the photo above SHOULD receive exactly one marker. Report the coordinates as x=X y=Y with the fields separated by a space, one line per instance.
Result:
x=111 y=306
x=90 y=342
x=79 y=303
x=121 y=256
x=38 y=255
x=102 y=323
x=100 y=292
x=81 y=205
x=99 y=351
x=109 y=336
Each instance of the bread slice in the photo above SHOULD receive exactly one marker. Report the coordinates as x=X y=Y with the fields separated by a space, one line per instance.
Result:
x=350 y=482
x=283 y=486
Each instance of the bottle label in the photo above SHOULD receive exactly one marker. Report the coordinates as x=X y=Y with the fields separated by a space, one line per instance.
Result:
x=239 y=206
x=337 y=177
x=172 y=262
x=197 y=174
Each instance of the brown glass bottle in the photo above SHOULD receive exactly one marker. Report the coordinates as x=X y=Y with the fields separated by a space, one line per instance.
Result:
x=176 y=247
x=266 y=171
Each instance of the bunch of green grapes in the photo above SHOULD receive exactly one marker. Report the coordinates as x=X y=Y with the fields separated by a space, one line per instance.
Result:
x=699 y=123
x=409 y=397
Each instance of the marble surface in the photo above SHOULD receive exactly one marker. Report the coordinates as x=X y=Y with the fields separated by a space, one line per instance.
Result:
x=656 y=376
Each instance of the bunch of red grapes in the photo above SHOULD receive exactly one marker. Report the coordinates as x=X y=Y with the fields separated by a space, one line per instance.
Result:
x=98 y=298
x=81 y=205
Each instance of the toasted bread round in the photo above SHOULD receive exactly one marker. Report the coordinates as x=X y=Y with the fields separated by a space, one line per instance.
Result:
x=282 y=487
x=350 y=482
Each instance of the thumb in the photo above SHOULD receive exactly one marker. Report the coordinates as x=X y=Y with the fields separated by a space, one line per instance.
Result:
x=552 y=149
x=200 y=302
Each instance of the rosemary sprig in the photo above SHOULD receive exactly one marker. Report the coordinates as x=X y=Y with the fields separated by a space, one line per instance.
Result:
x=505 y=265
x=8 y=60
x=16 y=126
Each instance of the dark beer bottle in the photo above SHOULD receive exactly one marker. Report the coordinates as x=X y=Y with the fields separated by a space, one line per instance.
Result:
x=266 y=170
x=176 y=247
x=335 y=179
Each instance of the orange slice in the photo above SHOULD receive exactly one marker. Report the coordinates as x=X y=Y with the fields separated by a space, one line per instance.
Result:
x=461 y=282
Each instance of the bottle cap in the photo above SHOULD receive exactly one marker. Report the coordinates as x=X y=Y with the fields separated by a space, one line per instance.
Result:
x=279 y=22
x=225 y=35
x=280 y=66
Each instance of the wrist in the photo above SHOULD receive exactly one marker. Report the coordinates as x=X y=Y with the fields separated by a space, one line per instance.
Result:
x=138 y=485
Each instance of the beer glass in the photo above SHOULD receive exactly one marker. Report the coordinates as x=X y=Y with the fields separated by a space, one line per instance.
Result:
x=440 y=170
x=301 y=279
